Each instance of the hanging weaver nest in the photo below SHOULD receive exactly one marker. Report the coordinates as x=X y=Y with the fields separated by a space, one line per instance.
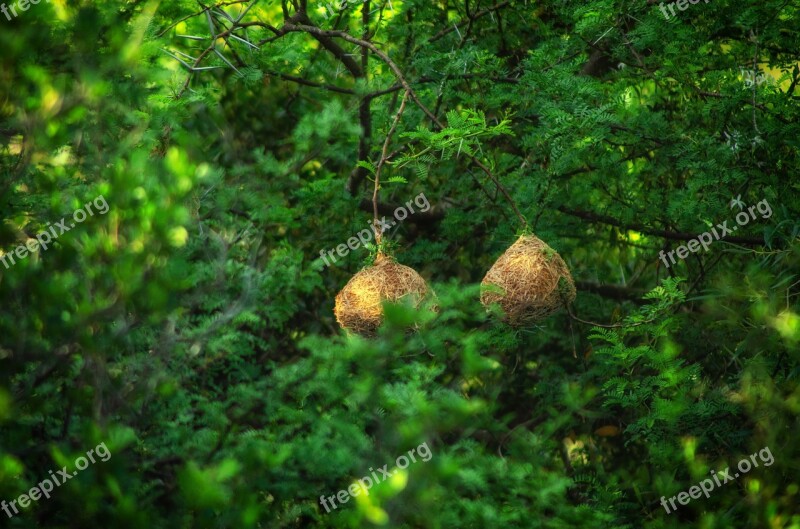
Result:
x=529 y=281
x=358 y=306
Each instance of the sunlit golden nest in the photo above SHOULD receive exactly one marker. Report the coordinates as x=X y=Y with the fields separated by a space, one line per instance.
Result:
x=529 y=281
x=358 y=306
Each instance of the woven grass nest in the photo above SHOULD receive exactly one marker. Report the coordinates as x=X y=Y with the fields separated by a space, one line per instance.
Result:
x=529 y=281
x=359 y=304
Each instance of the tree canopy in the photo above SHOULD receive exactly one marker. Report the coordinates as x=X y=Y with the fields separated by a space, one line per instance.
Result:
x=185 y=187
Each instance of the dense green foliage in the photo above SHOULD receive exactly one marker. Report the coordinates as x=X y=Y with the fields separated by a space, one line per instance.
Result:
x=190 y=328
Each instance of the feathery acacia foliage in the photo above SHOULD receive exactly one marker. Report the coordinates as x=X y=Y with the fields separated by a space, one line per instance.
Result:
x=191 y=327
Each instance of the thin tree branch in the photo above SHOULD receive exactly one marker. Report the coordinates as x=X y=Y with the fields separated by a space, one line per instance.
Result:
x=187 y=17
x=666 y=234
x=381 y=162
x=304 y=82
x=470 y=19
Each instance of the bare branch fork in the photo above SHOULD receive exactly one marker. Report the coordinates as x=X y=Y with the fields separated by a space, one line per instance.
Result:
x=222 y=19
x=299 y=22
x=313 y=30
